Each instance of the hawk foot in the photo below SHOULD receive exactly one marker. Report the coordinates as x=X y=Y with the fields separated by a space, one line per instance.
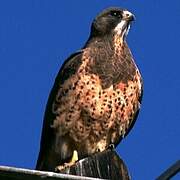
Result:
x=73 y=160
x=111 y=146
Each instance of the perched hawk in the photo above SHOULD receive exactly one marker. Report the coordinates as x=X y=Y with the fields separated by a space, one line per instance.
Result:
x=96 y=95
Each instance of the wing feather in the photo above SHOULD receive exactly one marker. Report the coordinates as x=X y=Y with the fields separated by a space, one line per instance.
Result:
x=69 y=67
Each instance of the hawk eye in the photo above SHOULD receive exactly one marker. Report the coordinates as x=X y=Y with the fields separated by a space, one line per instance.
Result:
x=116 y=14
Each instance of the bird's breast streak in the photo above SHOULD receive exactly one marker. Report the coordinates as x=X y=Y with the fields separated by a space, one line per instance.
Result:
x=89 y=110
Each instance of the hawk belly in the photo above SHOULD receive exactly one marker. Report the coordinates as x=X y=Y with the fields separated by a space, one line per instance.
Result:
x=92 y=116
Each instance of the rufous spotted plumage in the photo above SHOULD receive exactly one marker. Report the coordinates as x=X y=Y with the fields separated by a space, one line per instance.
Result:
x=96 y=95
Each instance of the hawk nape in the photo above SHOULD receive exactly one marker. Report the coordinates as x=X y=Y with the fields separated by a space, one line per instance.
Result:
x=96 y=95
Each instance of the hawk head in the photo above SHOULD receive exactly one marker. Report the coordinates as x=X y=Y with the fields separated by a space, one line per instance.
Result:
x=112 y=20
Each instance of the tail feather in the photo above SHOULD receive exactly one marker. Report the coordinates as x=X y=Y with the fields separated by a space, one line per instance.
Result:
x=60 y=152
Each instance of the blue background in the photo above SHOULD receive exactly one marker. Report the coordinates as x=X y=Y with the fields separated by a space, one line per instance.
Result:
x=35 y=38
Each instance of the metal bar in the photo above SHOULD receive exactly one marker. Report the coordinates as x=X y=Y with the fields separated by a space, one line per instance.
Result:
x=27 y=174
x=170 y=172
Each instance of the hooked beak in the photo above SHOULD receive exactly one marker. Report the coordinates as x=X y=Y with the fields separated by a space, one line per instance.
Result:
x=123 y=27
x=128 y=16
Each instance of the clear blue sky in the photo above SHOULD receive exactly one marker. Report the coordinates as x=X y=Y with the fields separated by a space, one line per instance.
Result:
x=35 y=38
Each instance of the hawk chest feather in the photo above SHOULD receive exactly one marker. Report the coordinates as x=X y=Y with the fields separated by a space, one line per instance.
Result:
x=92 y=114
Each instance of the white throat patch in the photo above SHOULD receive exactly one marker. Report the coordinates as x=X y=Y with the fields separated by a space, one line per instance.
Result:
x=127 y=30
x=121 y=28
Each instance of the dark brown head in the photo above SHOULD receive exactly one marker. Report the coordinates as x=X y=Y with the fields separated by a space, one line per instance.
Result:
x=112 y=20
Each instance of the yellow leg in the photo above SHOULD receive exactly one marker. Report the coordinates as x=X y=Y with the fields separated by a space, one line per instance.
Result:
x=70 y=163
x=74 y=157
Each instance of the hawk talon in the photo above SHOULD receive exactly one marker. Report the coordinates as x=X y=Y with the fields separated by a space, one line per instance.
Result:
x=61 y=167
x=73 y=160
x=111 y=146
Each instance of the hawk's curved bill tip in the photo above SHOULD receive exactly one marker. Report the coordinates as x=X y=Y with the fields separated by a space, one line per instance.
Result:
x=128 y=16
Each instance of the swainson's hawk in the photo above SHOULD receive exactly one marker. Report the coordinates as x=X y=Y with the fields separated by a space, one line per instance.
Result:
x=96 y=95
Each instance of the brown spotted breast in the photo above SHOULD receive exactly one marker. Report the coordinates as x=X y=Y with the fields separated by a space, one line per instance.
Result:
x=99 y=103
